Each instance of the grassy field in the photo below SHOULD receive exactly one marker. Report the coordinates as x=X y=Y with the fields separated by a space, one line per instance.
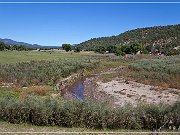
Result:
x=14 y=128
x=169 y=65
x=40 y=70
x=26 y=68
x=24 y=56
x=43 y=72
x=164 y=71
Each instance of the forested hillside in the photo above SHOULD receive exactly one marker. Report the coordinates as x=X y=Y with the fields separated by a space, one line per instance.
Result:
x=162 y=37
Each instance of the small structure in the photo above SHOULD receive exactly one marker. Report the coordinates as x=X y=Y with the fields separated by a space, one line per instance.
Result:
x=139 y=52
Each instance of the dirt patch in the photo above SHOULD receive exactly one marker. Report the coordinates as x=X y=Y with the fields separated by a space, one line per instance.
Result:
x=107 y=87
x=110 y=88
x=92 y=94
x=134 y=93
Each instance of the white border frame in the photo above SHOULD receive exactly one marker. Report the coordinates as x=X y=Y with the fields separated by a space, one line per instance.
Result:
x=89 y=2
x=29 y=2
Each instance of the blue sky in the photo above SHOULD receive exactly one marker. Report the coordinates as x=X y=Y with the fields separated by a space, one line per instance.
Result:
x=54 y=24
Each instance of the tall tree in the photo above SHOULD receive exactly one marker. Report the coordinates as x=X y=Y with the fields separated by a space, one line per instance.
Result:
x=2 y=46
x=67 y=47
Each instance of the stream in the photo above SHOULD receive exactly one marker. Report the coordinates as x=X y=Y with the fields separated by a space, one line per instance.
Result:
x=76 y=91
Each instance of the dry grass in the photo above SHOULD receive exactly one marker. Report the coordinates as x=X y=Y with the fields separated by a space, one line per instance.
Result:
x=162 y=80
x=42 y=90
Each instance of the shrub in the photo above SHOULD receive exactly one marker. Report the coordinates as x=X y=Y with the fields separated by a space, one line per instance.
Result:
x=101 y=49
x=77 y=49
x=42 y=72
x=119 y=52
x=54 y=111
x=160 y=71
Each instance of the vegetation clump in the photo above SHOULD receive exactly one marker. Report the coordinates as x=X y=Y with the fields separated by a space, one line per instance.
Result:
x=42 y=72
x=48 y=111
x=67 y=47
x=4 y=47
x=158 y=71
x=77 y=49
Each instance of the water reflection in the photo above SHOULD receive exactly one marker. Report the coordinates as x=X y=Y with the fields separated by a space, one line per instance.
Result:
x=78 y=90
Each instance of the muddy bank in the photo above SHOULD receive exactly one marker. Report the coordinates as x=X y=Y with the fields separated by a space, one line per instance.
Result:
x=79 y=87
x=117 y=91
x=91 y=92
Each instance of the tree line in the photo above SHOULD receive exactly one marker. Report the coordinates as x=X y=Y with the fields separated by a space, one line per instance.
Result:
x=4 y=47
x=133 y=48
x=128 y=49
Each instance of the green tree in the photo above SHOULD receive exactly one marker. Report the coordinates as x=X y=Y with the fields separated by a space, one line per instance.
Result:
x=132 y=49
x=111 y=49
x=101 y=49
x=67 y=47
x=20 y=48
x=119 y=52
x=77 y=49
x=4 y=46
x=149 y=48
x=136 y=47
x=126 y=49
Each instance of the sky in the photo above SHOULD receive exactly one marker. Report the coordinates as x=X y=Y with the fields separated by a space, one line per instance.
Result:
x=55 y=24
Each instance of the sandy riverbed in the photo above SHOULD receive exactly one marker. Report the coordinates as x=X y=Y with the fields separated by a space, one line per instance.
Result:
x=131 y=92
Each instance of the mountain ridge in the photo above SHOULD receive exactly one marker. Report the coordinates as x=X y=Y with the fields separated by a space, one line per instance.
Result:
x=34 y=46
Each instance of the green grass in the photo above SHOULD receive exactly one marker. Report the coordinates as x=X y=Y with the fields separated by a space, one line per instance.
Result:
x=168 y=64
x=13 y=92
x=43 y=72
x=8 y=127
x=163 y=71
x=28 y=128
x=8 y=92
x=24 y=56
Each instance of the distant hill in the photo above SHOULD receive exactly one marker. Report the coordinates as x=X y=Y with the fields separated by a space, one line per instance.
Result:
x=34 y=46
x=162 y=36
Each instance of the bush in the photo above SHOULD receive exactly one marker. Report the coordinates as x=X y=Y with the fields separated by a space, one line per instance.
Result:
x=162 y=71
x=42 y=72
x=54 y=111
x=132 y=49
x=77 y=49
x=101 y=49
x=119 y=52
